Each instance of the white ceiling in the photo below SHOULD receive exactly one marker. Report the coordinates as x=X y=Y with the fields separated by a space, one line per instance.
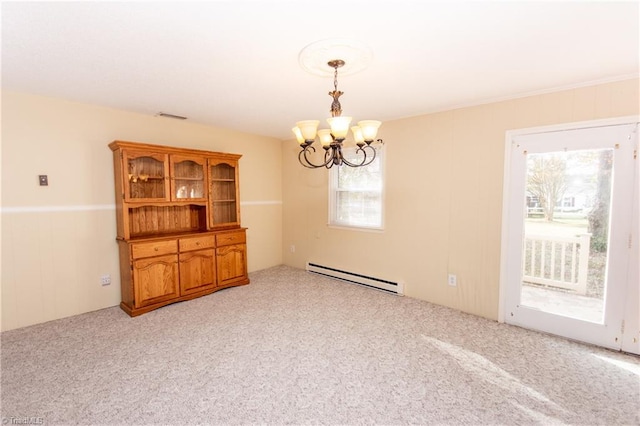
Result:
x=234 y=64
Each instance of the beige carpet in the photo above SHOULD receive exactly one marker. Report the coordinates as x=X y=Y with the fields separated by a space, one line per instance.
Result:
x=296 y=348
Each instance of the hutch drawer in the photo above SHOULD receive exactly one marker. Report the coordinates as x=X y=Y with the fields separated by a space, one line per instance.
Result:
x=153 y=248
x=196 y=243
x=230 y=238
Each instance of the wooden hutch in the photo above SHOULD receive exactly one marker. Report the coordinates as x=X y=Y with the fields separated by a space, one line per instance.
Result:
x=178 y=224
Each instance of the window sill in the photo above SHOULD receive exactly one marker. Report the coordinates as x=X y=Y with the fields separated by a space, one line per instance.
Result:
x=377 y=230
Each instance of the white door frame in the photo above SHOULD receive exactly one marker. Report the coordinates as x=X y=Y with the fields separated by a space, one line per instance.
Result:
x=634 y=275
x=632 y=344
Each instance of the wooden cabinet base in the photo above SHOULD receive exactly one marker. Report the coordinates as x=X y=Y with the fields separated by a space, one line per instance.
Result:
x=156 y=272
x=134 y=312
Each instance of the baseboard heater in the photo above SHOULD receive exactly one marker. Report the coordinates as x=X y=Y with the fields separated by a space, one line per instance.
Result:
x=351 y=277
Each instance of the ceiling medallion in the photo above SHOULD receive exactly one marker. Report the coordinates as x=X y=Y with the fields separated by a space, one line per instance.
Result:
x=314 y=58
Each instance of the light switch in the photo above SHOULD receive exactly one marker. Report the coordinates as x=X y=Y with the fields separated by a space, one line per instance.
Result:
x=44 y=180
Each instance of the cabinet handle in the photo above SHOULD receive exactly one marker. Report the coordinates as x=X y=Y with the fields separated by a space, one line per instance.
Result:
x=155 y=249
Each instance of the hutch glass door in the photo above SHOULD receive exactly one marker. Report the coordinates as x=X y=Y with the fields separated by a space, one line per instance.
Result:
x=188 y=180
x=147 y=176
x=224 y=205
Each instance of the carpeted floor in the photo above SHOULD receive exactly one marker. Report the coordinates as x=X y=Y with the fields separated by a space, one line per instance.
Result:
x=296 y=348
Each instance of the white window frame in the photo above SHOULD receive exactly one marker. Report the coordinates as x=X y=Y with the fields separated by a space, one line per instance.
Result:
x=333 y=191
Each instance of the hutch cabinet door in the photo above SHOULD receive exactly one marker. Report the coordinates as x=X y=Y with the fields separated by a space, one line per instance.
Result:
x=147 y=176
x=197 y=271
x=232 y=264
x=224 y=200
x=188 y=178
x=155 y=279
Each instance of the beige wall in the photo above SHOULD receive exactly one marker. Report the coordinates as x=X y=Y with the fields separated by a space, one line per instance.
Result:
x=443 y=198
x=444 y=177
x=58 y=240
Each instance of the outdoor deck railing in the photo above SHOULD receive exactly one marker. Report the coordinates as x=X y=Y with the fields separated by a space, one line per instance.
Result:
x=561 y=262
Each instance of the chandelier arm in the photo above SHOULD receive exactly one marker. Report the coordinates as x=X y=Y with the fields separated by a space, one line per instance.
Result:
x=308 y=163
x=329 y=157
x=364 y=161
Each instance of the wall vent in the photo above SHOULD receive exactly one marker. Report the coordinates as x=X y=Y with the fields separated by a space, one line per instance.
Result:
x=167 y=115
x=393 y=287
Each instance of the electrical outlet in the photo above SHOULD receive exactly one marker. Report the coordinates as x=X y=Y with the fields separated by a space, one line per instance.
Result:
x=452 y=280
x=105 y=279
x=292 y=248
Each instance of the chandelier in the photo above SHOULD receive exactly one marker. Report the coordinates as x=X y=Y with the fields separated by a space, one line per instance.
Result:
x=331 y=139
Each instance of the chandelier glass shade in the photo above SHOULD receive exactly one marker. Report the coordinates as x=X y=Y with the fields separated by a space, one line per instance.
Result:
x=331 y=140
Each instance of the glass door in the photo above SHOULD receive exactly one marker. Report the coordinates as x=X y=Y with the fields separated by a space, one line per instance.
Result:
x=147 y=176
x=570 y=221
x=187 y=178
x=224 y=194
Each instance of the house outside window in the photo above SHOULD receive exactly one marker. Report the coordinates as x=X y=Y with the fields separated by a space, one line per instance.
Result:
x=356 y=194
x=569 y=202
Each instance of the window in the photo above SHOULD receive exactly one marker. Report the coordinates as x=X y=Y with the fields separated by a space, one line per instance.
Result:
x=356 y=193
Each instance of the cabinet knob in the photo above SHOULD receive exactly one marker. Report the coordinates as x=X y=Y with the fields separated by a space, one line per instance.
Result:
x=197 y=243
x=155 y=249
